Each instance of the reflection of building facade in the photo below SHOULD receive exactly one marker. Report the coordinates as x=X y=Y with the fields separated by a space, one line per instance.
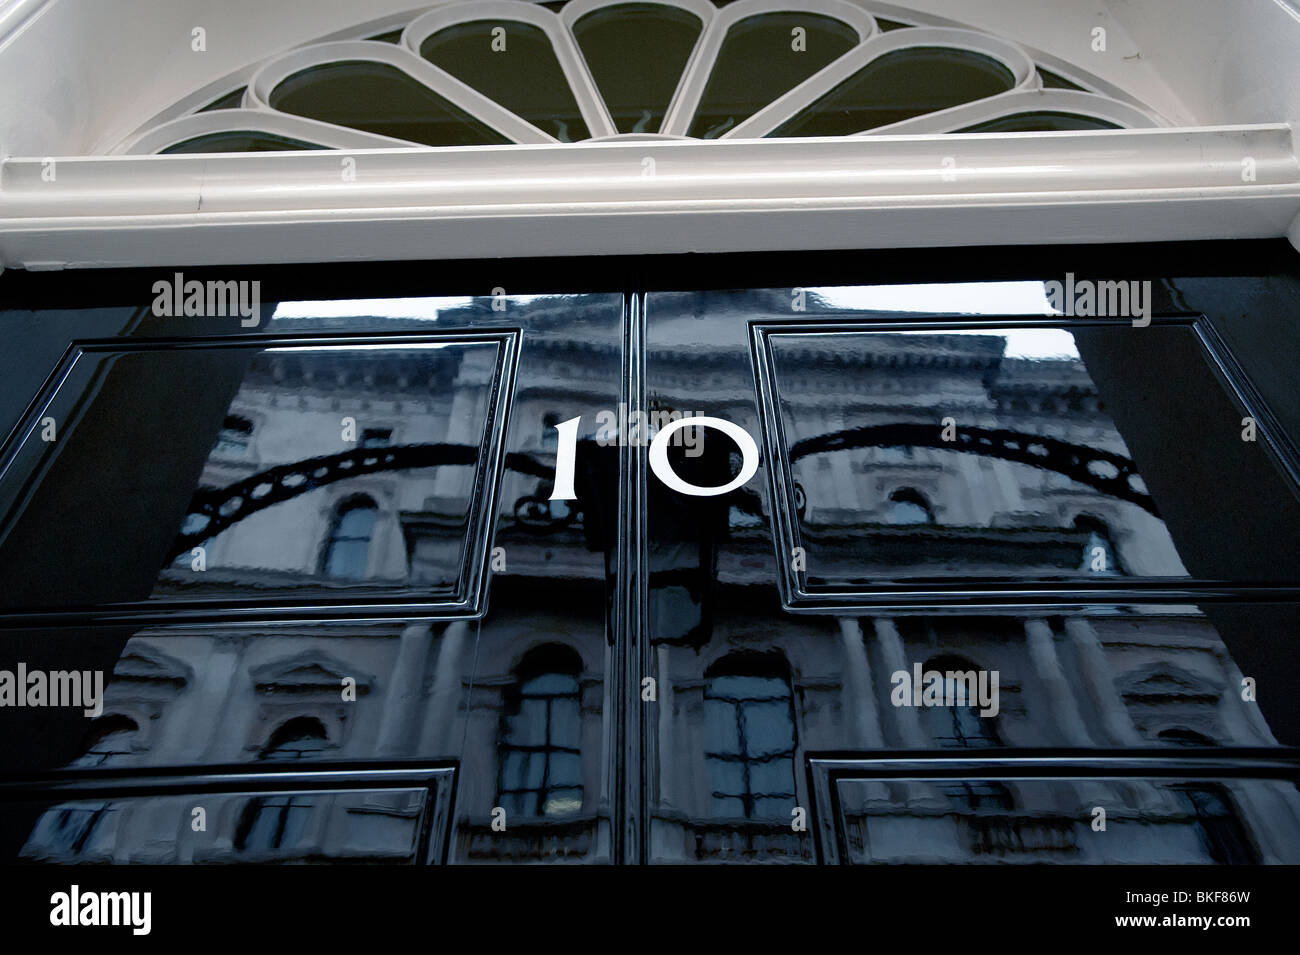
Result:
x=744 y=693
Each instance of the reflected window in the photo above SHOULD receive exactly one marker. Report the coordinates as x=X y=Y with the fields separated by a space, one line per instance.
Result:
x=70 y=830
x=280 y=821
x=1222 y=833
x=958 y=727
x=749 y=718
x=541 y=736
x=1099 y=556
x=235 y=435
x=110 y=738
x=980 y=794
x=907 y=506
x=273 y=822
x=348 y=551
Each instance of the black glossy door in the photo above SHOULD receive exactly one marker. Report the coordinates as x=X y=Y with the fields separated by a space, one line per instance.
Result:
x=329 y=538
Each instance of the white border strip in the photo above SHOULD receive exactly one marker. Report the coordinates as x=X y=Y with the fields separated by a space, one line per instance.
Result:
x=313 y=131
x=464 y=202
x=1021 y=101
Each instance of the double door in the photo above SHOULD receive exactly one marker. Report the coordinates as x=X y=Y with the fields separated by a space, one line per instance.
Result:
x=954 y=571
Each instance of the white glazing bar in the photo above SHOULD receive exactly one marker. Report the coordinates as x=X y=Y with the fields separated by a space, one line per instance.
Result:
x=691 y=88
x=585 y=94
x=815 y=87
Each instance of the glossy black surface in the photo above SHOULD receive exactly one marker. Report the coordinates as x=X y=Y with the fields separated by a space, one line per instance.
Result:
x=939 y=452
x=760 y=704
x=384 y=447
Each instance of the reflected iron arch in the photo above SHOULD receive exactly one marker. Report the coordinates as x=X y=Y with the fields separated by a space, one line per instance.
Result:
x=1075 y=461
x=221 y=508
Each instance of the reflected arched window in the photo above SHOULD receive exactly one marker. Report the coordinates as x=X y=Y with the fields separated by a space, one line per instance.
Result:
x=1099 y=555
x=958 y=727
x=109 y=739
x=348 y=551
x=907 y=506
x=300 y=737
x=751 y=739
x=540 y=770
x=280 y=821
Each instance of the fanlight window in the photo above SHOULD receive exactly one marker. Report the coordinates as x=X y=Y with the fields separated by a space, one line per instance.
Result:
x=507 y=71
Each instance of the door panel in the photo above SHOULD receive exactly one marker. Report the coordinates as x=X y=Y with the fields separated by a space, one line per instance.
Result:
x=324 y=540
x=859 y=655
x=995 y=534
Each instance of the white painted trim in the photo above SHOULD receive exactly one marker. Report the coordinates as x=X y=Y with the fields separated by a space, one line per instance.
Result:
x=1020 y=101
x=716 y=196
x=677 y=121
x=1009 y=54
x=487 y=111
x=257 y=120
x=583 y=87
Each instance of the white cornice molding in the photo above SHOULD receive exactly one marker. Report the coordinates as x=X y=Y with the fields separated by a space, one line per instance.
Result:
x=651 y=197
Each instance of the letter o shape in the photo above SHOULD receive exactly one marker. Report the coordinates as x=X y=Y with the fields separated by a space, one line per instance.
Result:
x=664 y=470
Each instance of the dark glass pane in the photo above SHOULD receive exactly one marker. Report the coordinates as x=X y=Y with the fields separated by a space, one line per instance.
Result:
x=354 y=827
x=1056 y=462
x=266 y=486
x=1149 y=821
x=381 y=99
x=232 y=100
x=1042 y=121
x=239 y=142
x=758 y=63
x=1057 y=81
x=898 y=86
x=636 y=53
x=517 y=68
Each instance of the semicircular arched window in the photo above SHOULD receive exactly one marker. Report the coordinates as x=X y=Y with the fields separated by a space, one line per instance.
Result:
x=508 y=71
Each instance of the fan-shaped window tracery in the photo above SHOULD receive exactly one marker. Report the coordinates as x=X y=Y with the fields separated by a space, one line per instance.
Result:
x=509 y=71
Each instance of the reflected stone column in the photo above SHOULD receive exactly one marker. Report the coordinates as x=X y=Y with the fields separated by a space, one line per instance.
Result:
x=402 y=699
x=907 y=719
x=1101 y=679
x=857 y=696
x=859 y=703
x=1047 y=665
x=439 y=735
